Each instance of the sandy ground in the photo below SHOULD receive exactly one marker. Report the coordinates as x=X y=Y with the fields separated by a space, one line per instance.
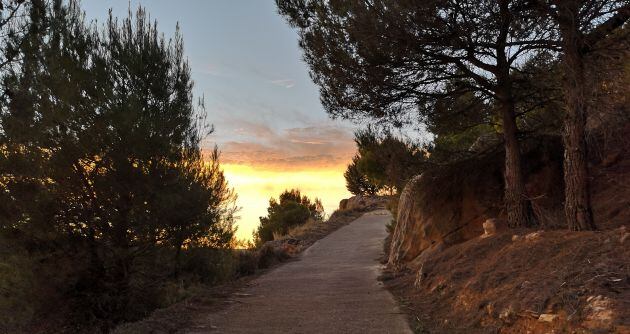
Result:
x=331 y=288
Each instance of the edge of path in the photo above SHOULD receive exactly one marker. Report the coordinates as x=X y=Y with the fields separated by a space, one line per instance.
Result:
x=187 y=313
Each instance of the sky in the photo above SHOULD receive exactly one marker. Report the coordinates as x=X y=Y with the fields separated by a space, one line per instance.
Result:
x=269 y=124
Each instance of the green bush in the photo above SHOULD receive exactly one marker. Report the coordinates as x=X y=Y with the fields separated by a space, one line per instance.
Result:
x=291 y=209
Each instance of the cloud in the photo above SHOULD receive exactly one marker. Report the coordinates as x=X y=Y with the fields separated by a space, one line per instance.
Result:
x=212 y=70
x=309 y=147
x=286 y=83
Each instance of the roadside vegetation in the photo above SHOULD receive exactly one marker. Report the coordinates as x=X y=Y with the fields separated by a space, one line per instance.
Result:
x=383 y=163
x=108 y=207
x=290 y=212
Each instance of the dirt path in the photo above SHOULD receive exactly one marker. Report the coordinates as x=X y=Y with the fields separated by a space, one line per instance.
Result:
x=332 y=288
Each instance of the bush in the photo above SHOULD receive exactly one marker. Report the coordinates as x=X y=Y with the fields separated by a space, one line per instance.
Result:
x=290 y=210
x=269 y=255
x=16 y=290
x=357 y=182
x=384 y=162
x=247 y=261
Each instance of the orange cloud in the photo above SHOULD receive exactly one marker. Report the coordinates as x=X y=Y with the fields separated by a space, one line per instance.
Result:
x=260 y=162
x=290 y=149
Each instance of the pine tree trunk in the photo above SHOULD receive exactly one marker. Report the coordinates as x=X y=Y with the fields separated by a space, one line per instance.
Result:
x=516 y=203
x=518 y=207
x=577 y=206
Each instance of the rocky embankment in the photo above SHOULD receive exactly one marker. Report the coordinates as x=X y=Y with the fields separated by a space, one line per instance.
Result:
x=460 y=269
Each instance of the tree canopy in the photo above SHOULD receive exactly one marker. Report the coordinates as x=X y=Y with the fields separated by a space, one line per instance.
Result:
x=400 y=62
x=394 y=60
x=100 y=160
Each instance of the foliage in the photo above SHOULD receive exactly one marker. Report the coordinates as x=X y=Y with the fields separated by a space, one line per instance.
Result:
x=393 y=61
x=291 y=209
x=581 y=23
x=101 y=166
x=386 y=59
x=13 y=27
x=358 y=183
x=398 y=61
x=383 y=162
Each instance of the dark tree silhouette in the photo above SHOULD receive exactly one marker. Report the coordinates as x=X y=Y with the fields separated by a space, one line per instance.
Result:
x=100 y=138
x=389 y=59
x=358 y=183
x=581 y=23
x=289 y=210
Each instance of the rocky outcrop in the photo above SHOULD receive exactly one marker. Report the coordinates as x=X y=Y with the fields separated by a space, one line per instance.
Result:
x=363 y=203
x=430 y=218
x=449 y=204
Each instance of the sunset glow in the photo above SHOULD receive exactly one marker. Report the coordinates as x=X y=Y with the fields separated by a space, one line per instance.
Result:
x=255 y=185
x=269 y=124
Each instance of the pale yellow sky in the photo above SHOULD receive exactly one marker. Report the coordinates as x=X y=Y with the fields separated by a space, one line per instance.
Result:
x=255 y=186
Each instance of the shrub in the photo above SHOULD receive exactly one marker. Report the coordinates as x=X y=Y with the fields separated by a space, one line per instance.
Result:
x=290 y=210
x=269 y=255
x=384 y=162
x=16 y=290
x=357 y=182
x=247 y=261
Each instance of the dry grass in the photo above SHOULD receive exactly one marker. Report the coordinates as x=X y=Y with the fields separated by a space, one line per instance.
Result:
x=500 y=285
x=300 y=230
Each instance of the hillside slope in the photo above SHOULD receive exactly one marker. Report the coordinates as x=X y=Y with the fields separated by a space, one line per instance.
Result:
x=522 y=280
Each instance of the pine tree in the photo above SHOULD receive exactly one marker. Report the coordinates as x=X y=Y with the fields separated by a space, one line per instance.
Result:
x=581 y=24
x=390 y=59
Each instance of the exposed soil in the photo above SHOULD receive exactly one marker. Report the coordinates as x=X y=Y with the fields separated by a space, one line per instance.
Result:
x=580 y=281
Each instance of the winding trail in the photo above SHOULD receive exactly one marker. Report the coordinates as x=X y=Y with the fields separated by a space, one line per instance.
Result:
x=331 y=288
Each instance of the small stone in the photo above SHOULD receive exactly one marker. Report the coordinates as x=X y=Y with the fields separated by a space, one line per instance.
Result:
x=489 y=228
x=419 y=275
x=547 y=317
x=533 y=236
x=490 y=309
x=516 y=237
x=508 y=315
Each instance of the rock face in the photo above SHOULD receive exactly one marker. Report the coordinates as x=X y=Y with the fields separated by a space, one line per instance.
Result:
x=431 y=217
x=362 y=203
x=449 y=204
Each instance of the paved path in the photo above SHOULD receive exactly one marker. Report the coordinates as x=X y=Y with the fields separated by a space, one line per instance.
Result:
x=332 y=288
